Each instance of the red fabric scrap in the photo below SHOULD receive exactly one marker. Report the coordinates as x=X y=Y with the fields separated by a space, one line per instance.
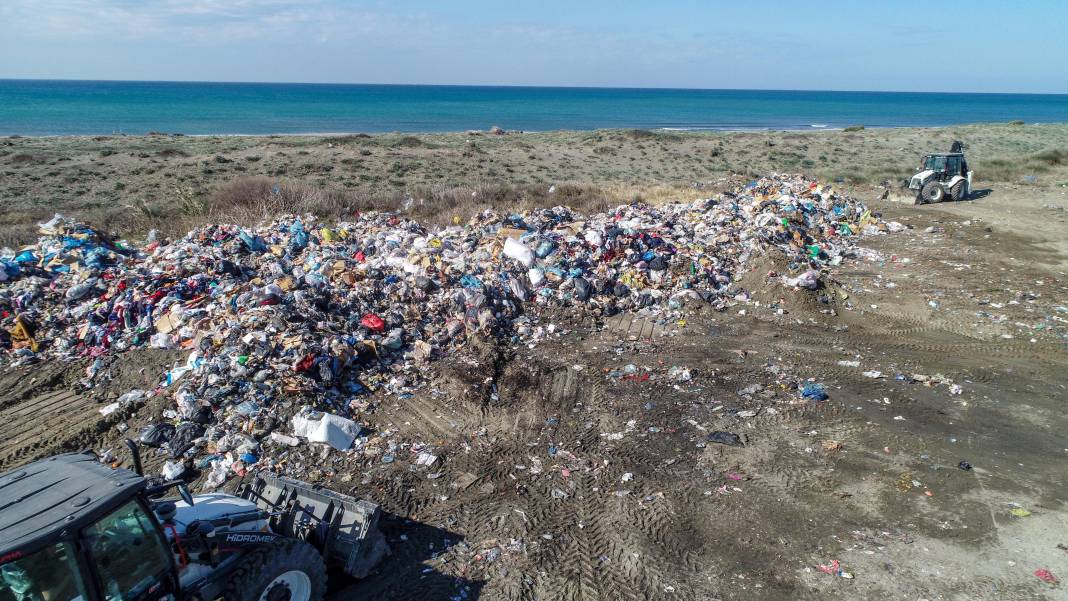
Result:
x=373 y=322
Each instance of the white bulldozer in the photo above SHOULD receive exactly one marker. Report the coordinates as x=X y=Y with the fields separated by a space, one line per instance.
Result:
x=942 y=175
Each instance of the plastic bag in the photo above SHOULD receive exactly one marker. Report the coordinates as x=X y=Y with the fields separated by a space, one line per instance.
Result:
x=328 y=428
x=156 y=435
x=173 y=470
x=514 y=249
x=183 y=437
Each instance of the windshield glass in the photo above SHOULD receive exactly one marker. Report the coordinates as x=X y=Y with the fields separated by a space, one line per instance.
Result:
x=50 y=574
x=129 y=556
x=935 y=163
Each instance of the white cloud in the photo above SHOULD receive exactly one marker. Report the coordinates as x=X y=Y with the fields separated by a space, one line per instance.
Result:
x=220 y=21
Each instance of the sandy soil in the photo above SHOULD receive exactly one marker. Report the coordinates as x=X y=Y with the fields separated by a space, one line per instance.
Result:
x=574 y=485
x=133 y=183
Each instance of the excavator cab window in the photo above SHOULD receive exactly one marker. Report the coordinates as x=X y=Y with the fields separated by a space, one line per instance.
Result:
x=129 y=557
x=935 y=162
x=50 y=574
x=953 y=165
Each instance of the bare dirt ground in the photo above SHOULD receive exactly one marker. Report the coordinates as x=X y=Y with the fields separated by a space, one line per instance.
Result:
x=568 y=482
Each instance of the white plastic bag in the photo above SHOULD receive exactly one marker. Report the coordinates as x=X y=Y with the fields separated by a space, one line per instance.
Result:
x=285 y=439
x=514 y=249
x=333 y=430
x=172 y=470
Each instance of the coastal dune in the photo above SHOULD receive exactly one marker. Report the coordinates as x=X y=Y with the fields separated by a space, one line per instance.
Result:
x=131 y=184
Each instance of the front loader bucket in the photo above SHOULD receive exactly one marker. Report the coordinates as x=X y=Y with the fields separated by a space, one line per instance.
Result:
x=344 y=529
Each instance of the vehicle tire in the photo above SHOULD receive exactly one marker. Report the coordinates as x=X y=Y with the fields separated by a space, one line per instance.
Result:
x=957 y=191
x=291 y=570
x=932 y=192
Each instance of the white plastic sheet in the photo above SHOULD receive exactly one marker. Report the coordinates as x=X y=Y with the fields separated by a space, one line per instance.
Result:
x=328 y=428
x=514 y=249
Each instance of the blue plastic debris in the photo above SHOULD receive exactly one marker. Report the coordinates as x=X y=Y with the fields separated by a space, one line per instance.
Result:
x=814 y=392
x=471 y=282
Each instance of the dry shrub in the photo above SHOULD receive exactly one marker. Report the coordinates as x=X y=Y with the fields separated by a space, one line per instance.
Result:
x=26 y=159
x=1052 y=157
x=346 y=139
x=1014 y=168
x=167 y=153
x=253 y=199
x=651 y=135
x=250 y=200
x=444 y=204
x=409 y=142
x=17 y=233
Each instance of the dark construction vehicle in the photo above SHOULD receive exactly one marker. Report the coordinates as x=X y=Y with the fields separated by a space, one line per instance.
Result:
x=942 y=175
x=72 y=528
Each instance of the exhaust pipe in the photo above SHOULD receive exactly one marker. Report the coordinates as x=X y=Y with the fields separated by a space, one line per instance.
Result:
x=136 y=454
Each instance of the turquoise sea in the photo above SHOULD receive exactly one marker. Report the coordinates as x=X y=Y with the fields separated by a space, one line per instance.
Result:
x=41 y=107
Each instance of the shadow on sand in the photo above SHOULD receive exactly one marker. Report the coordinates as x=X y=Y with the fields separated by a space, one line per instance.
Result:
x=403 y=574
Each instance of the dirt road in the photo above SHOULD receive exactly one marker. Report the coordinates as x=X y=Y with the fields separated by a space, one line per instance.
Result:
x=563 y=474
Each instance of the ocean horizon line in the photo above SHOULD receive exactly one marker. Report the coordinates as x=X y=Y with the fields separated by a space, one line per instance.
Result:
x=519 y=86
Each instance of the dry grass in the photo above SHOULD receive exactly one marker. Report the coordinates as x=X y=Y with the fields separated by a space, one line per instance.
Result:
x=131 y=184
x=1016 y=168
x=251 y=200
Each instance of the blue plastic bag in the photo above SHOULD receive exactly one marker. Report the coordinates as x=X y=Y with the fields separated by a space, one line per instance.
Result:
x=814 y=392
x=255 y=244
x=298 y=237
x=545 y=248
x=471 y=282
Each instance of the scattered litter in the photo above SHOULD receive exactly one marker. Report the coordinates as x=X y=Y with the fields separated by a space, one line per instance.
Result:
x=109 y=408
x=835 y=569
x=726 y=438
x=1046 y=576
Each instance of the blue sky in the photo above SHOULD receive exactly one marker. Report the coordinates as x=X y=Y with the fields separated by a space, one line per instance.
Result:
x=936 y=45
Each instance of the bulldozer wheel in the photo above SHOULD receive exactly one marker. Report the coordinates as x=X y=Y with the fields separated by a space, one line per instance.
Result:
x=288 y=571
x=932 y=192
x=957 y=191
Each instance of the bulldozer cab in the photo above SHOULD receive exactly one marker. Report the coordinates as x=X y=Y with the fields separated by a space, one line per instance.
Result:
x=74 y=530
x=947 y=164
x=125 y=559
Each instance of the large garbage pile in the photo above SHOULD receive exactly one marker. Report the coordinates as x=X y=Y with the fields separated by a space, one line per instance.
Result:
x=324 y=314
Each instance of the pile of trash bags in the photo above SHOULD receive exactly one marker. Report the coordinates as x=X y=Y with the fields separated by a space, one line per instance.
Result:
x=296 y=308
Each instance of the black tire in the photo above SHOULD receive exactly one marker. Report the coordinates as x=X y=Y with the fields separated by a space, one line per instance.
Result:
x=932 y=192
x=261 y=568
x=957 y=191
